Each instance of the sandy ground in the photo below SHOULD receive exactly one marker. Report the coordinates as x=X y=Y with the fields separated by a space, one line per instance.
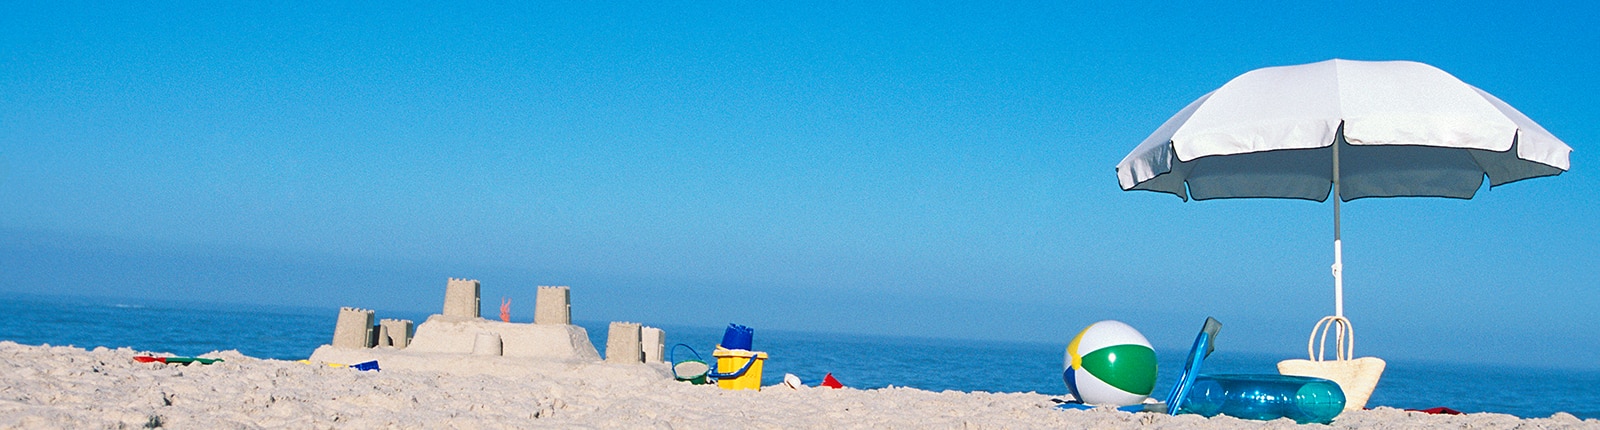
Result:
x=67 y=387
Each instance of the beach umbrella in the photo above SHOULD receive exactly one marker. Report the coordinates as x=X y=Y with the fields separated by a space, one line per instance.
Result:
x=1346 y=129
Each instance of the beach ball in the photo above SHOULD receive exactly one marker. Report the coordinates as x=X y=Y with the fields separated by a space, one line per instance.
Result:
x=1110 y=363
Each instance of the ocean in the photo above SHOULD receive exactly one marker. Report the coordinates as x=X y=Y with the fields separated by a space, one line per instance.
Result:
x=859 y=361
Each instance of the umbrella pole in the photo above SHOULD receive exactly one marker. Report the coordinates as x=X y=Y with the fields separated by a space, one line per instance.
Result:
x=1337 y=323
x=1338 y=248
x=1338 y=279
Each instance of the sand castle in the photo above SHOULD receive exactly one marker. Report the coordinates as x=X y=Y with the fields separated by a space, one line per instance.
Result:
x=460 y=331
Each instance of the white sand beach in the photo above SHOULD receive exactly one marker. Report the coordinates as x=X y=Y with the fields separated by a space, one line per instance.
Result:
x=68 y=387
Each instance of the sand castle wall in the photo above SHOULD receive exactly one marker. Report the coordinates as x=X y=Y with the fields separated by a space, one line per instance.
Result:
x=441 y=334
x=487 y=344
x=353 y=329
x=462 y=297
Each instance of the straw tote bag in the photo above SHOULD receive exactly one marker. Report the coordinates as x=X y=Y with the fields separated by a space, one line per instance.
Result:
x=1357 y=377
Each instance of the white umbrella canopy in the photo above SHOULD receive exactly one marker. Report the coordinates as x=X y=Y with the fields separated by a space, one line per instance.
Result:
x=1351 y=129
x=1408 y=129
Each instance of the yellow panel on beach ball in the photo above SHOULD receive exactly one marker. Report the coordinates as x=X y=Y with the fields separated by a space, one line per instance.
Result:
x=1110 y=363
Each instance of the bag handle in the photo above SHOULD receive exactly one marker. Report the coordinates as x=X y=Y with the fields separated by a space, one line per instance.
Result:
x=1344 y=336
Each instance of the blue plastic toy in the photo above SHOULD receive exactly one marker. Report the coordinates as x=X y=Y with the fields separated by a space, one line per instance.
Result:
x=1255 y=397
x=737 y=337
x=1265 y=397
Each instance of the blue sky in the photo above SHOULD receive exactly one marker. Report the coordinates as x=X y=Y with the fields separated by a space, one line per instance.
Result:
x=914 y=169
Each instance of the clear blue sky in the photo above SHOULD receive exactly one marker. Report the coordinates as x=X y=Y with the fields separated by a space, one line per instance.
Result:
x=912 y=168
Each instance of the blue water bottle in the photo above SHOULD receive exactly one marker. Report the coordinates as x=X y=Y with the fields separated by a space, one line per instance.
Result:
x=1265 y=397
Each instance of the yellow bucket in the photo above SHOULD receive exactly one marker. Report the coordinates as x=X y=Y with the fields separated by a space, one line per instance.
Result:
x=731 y=361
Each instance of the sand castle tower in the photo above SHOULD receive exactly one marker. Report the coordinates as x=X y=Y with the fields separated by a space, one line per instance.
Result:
x=622 y=343
x=461 y=298
x=653 y=341
x=354 y=329
x=554 y=305
x=394 y=332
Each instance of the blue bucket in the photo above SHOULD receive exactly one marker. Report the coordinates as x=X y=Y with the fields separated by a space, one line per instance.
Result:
x=737 y=337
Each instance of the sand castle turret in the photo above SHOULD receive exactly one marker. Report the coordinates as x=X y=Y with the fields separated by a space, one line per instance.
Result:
x=394 y=332
x=554 y=306
x=461 y=297
x=354 y=329
x=653 y=341
x=622 y=343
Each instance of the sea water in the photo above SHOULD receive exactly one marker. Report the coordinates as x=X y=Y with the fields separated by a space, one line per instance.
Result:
x=858 y=361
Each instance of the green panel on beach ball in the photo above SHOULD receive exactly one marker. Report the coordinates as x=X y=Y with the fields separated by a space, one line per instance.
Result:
x=1130 y=368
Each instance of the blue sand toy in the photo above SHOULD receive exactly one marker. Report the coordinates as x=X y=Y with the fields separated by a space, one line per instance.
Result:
x=737 y=337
